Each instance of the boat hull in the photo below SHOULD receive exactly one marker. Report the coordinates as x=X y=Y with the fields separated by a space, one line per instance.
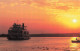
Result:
x=75 y=41
x=18 y=38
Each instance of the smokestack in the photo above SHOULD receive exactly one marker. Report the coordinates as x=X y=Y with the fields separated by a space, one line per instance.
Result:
x=22 y=25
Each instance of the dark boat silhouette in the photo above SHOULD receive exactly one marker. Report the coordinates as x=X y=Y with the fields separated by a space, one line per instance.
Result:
x=76 y=41
x=18 y=32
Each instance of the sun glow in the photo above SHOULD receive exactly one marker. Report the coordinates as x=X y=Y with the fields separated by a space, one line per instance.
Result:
x=68 y=19
x=74 y=20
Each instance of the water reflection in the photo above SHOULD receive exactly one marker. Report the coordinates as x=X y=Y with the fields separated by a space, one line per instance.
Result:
x=73 y=38
x=40 y=44
x=73 y=46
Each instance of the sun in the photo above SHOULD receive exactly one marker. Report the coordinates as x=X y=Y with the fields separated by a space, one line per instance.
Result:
x=74 y=20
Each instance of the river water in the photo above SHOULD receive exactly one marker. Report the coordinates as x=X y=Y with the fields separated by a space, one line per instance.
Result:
x=40 y=44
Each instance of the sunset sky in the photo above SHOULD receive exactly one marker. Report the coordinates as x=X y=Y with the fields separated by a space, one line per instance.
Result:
x=41 y=16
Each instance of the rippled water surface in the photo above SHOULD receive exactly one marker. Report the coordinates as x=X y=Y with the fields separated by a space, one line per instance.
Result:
x=40 y=44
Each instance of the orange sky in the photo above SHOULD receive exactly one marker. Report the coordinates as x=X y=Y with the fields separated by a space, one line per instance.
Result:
x=41 y=16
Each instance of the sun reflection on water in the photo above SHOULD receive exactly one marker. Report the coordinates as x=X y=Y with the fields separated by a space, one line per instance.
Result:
x=73 y=38
x=73 y=44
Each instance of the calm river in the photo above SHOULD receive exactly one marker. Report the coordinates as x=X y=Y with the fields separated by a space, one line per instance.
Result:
x=40 y=44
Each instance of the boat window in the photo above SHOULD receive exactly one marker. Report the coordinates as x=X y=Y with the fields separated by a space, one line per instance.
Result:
x=25 y=32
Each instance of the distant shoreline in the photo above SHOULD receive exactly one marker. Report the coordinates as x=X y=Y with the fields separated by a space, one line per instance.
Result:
x=49 y=35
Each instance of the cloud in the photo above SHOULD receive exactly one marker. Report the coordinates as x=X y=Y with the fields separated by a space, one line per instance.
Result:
x=53 y=4
x=44 y=3
x=50 y=4
x=63 y=7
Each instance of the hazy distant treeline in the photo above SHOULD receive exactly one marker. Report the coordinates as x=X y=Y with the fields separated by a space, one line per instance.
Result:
x=50 y=35
x=56 y=35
